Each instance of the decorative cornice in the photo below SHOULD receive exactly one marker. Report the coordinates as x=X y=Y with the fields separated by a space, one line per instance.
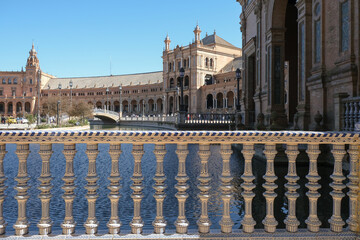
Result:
x=186 y=137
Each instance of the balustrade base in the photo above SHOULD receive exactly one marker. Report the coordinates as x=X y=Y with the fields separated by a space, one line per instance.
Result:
x=324 y=234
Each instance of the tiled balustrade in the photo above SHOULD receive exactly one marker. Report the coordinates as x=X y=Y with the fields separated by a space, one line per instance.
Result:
x=341 y=143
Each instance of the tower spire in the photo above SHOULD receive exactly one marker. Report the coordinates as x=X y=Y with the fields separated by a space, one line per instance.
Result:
x=197 y=32
x=167 y=42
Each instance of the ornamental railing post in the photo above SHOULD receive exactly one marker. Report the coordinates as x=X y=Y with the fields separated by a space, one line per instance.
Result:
x=114 y=223
x=137 y=223
x=22 y=225
x=269 y=222
x=248 y=221
x=2 y=188
x=353 y=186
x=336 y=222
x=68 y=225
x=159 y=223
x=181 y=222
x=226 y=187
x=91 y=223
x=291 y=221
x=45 y=223
x=204 y=222
x=313 y=222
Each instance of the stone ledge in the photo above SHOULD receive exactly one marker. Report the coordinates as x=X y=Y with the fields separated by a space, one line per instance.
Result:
x=281 y=234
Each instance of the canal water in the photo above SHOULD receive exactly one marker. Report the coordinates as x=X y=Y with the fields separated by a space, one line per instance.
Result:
x=148 y=205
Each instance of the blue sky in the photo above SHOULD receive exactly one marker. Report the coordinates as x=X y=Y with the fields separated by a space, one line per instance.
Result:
x=79 y=37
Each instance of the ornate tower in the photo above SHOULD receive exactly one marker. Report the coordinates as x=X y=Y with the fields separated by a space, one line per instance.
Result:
x=32 y=61
x=167 y=43
x=197 y=32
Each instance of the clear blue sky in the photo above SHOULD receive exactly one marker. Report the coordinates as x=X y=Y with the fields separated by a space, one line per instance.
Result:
x=78 y=37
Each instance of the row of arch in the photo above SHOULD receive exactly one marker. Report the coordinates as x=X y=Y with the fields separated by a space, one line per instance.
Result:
x=173 y=84
x=14 y=107
x=149 y=106
x=220 y=100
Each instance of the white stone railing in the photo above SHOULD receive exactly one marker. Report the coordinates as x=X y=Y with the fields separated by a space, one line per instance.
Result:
x=342 y=144
x=167 y=118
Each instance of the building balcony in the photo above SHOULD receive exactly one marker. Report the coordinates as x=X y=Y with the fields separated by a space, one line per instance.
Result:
x=178 y=185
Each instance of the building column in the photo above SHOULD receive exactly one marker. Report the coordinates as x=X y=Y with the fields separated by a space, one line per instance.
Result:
x=304 y=65
x=276 y=105
x=14 y=109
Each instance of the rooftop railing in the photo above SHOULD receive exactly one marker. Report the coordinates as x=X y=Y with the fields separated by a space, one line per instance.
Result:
x=342 y=144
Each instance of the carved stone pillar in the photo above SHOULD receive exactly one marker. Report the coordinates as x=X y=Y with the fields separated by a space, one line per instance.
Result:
x=313 y=222
x=68 y=225
x=226 y=187
x=45 y=196
x=114 y=223
x=304 y=61
x=204 y=222
x=353 y=186
x=2 y=188
x=21 y=225
x=181 y=222
x=276 y=85
x=159 y=223
x=291 y=221
x=248 y=221
x=336 y=222
x=269 y=222
x=91 y=223
x=137 y=223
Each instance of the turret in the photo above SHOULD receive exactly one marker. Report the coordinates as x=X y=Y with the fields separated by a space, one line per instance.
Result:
x=197 y=32
x=167 y=43
x=32 y=61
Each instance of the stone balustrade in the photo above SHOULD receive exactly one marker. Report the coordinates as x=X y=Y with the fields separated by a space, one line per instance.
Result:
x=342 y=144
x=350 y=113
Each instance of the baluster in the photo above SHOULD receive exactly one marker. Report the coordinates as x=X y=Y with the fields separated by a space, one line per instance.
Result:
x=291 y=221
x=346 y=116
x=137 y=223
x=336 y=222
x=355 y=114
x=204 y=222
x=248 y=221
x=269 y=222
x=114 y=223
x=181 y=222
x=45 y=223
x=226 y=223
x=68 y=225
x=350 y=116
x=91 y=223
x=159 y=223
x=22 y=225
x=358 y=111
x=313 y=222
x=353 y=187
x=2 y=188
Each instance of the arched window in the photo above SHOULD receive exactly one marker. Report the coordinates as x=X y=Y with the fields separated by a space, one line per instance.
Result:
x=211 y=62
x=15 y=80
x=172 y=83
x=186 y=82
x=206 y=62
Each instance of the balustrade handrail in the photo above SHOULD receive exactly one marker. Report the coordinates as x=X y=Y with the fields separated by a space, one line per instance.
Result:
x=215 y=137
x=342 y=143
x=350 y=99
